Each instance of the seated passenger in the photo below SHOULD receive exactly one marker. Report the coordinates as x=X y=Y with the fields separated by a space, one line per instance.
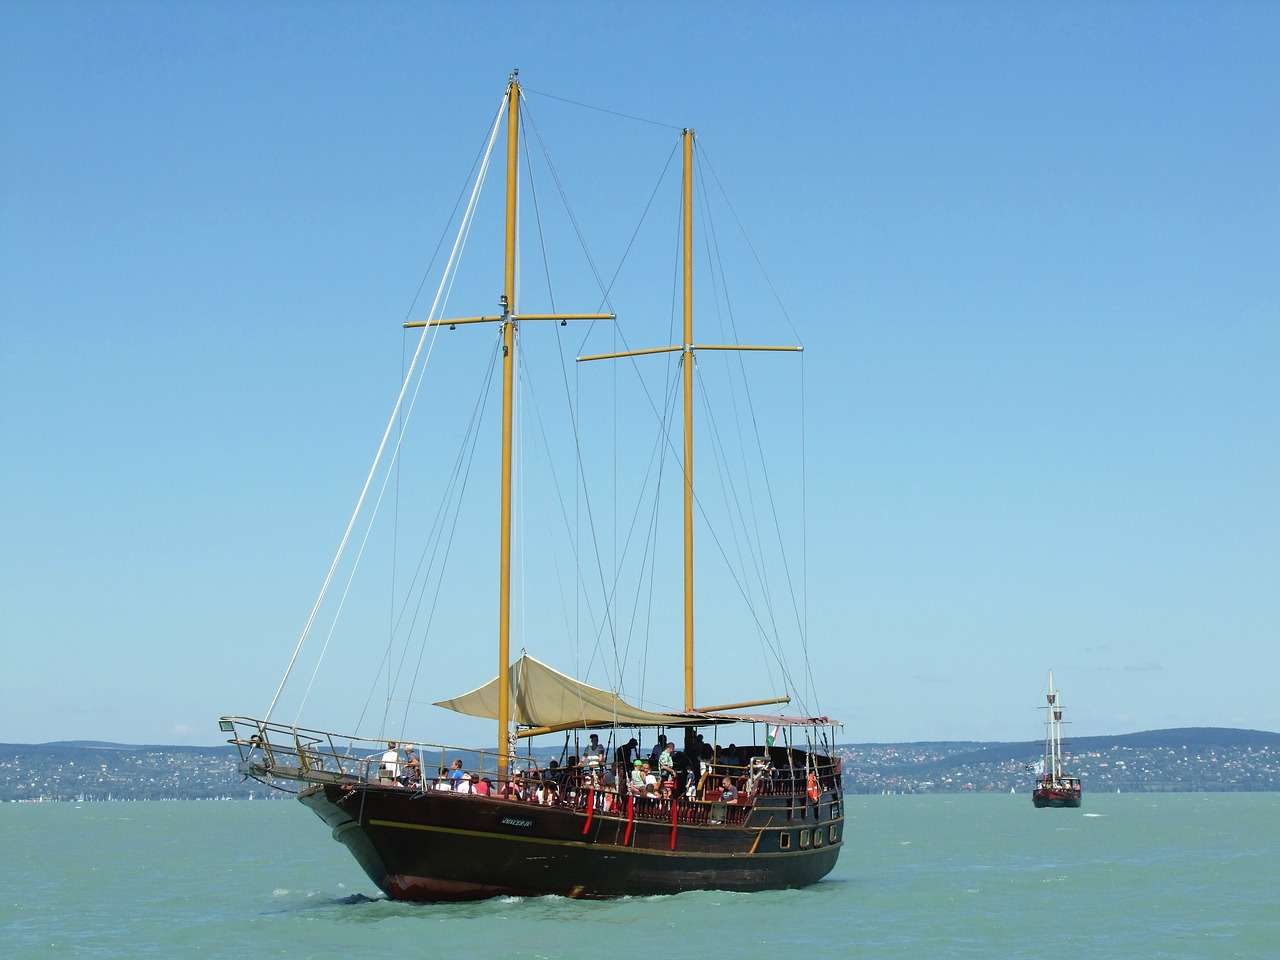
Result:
x=443 y=783
x=481 y=786
x=728 y=792
x=650 y=781
x=635 y=783
x=412 y=775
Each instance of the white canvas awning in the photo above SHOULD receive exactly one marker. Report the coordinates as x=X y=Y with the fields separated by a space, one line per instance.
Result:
x=545 y=697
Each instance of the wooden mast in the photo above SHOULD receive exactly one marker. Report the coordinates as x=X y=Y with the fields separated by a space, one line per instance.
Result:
x=687 y=348
x=508 y=366
x=687 y=363
x=510 y=321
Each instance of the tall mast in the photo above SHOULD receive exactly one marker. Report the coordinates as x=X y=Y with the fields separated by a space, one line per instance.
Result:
x=1053 y=741
x=509 y=320
x=508 y=366
x=687 y=363
x=687 y=349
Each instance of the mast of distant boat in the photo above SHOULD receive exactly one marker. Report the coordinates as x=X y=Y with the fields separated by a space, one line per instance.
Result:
x=1053 y=741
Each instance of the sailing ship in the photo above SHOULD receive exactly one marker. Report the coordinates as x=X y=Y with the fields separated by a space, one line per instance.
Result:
x=706 y=817
x=1054 y=788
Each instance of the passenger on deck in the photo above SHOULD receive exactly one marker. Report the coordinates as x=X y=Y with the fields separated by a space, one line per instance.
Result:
x=593 y=760
x=390 y=766
x=480 y=786
x=412 y=775
x=455 y=772
x=728 y=792
x=658 y=747
x=462 y=784
x=759 y=770
x=635 y=783
x=443 y=783
x=623 y=756
x=666 y=763
x=609 y=803
x=650 y=781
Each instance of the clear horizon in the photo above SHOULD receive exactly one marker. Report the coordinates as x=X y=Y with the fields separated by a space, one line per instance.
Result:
x=1031 y=255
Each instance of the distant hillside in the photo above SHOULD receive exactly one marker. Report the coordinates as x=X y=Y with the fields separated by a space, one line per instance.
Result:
x=1176 y=737
x=1189 y=758
x=1184 y=758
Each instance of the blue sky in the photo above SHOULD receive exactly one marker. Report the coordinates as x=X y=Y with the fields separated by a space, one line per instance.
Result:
x=1032 y=255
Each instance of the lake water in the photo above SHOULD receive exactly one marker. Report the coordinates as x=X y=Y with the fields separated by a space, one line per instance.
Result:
x=1143 y=876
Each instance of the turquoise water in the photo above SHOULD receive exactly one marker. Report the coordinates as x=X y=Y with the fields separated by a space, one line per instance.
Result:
x=1150 y=876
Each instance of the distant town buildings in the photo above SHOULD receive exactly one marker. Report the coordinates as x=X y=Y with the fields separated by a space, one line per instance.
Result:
x=1200 y=760
x=957 y=767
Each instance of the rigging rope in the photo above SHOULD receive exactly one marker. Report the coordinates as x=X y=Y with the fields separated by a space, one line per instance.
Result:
x=386 y=433
x=434 y=534
x=395 y=459
x=606 y=593
x=478 y=420
x=764 y=469
x=616 y=113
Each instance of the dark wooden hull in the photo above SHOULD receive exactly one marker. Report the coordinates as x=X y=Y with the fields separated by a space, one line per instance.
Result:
x=443 y=846
x=1055 y=797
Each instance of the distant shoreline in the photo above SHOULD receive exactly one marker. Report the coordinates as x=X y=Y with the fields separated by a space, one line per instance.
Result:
x=1178 y=760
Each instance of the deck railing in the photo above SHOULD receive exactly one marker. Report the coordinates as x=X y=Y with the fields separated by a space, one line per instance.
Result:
x=273 y=751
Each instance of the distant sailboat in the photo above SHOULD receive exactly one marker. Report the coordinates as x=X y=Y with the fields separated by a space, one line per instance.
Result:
x=1053 y=787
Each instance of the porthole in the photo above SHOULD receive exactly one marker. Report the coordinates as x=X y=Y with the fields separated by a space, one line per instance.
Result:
x=835 y=833
x=804 y=839
x=784 y=840
x=817 y=837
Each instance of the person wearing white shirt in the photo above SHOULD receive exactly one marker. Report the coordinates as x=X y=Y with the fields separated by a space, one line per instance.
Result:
x=391 y=761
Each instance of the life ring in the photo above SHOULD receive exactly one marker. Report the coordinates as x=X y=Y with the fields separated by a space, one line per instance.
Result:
x=812 y=787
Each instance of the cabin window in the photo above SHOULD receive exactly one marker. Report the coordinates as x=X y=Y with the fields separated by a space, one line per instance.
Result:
x=835 y=811
x=804 y=839
x=835 y=833
x=817 y=837
x=784 y=840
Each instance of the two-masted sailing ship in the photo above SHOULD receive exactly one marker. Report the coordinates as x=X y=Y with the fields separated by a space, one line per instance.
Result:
x=1054 y=788
x=616 y=820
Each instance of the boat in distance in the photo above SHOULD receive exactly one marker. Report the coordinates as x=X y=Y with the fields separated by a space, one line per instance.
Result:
x=1054 y=788
x=608 y=818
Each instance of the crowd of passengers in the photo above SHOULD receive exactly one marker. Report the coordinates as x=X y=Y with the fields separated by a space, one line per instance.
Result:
x=727 y=774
